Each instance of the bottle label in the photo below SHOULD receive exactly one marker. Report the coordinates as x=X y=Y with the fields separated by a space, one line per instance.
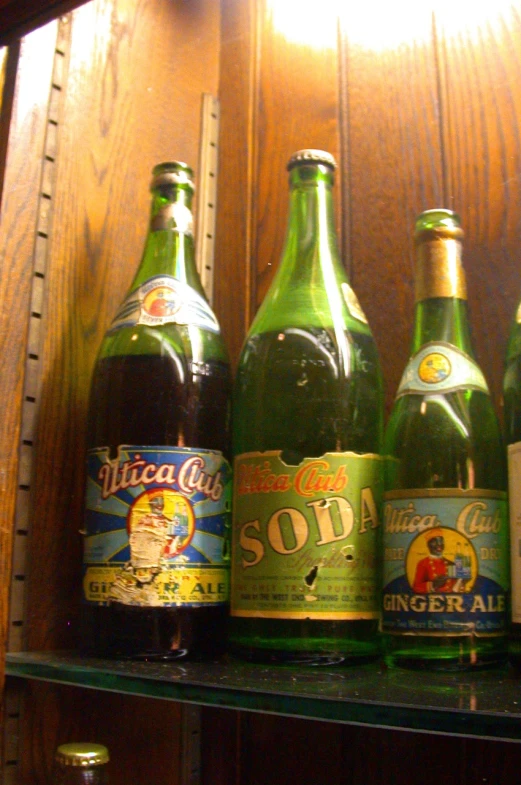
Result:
x=157 y=527
x=353 y=304
x=445 y=562
x=514 y=488
x=440 y=367
x=164 y=299
x=305 y=537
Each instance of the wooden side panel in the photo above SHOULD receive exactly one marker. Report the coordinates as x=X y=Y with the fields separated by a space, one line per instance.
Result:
x=391 y=133
x=131 y=98
x=481 y=71
x=129 y=103
x=19 y=218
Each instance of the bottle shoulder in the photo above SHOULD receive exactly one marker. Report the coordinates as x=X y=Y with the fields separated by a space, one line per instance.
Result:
x=167 y=339
x=445 y=440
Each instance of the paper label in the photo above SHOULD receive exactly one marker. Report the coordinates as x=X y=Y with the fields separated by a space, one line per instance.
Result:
x=164 y=299
x=440 y=367
x=514 y=487
x=157 y=527
x=445 y=562
x=305 y=538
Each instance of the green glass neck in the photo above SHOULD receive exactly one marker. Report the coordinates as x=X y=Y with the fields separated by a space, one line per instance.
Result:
x=442 y=319
x=169 y=247
x=305 y=289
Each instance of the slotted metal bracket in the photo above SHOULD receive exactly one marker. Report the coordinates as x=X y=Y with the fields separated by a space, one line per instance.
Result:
x=207 y=192
x=190 y=744
x=32 y=385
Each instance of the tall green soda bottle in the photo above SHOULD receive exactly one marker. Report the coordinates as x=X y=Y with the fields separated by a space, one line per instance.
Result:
x=445 y=531
x=512 y=427
x=307 y=437
x=156 y=548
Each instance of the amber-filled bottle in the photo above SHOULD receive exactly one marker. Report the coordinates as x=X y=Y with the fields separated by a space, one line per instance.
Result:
x=156 y=555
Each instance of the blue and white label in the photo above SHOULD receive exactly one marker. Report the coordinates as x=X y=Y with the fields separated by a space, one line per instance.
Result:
x=440 y=367
x=157 y=527
x=446 y=569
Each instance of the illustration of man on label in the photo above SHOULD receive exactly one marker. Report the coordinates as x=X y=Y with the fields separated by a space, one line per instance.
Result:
x=148 y=539
x=149 y=536
x=437 y=573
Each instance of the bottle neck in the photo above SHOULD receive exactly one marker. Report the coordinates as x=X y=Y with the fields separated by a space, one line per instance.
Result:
x=307 y=290
x=169 y=247
x=441 y=297
x=311 y=247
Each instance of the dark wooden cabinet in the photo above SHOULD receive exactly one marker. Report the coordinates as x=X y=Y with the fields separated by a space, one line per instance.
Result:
x=421 y=110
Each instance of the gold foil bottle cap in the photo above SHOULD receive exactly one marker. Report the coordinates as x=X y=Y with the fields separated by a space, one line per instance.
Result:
x=438 y=235
x=82 y=754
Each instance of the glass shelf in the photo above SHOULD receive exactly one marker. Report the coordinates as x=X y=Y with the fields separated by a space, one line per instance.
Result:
x=485 y=705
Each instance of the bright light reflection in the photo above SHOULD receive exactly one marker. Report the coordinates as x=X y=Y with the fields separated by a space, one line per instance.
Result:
x=306 y=22
x=444 y=404
x=92 y=34
x=380 y=25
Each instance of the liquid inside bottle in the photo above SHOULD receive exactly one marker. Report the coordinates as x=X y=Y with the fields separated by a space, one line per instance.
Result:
x=158 y=492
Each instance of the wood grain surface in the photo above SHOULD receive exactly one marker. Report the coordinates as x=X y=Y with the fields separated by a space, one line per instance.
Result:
x=390 y=121
x=142 y=734
x=481 y=77
x=235 y=217
x=420 y=111
x=19 y=218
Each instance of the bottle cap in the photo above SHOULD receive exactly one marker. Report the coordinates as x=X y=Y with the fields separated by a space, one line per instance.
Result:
x=79 y=754
x=312 y=157
x=176 y=172
x=438 y=223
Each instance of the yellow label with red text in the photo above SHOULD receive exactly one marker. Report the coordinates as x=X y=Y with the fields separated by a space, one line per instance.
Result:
x=305 y=538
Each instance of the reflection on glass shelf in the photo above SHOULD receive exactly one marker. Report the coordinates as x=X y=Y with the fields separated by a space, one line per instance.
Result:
x=486 y=705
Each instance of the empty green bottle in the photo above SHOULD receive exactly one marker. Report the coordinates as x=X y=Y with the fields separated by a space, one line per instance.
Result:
x=512 y=425
x=307 y=435
x=445 y=532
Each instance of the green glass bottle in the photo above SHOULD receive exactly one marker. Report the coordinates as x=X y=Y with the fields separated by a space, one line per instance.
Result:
x=512 y=427
x=156 y=555
x=445 y=533
x=307 y=436
x=81 y=764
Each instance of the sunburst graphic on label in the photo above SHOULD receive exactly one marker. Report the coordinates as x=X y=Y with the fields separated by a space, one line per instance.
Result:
x=160 y=524
x=161 y=301
x=434 y=368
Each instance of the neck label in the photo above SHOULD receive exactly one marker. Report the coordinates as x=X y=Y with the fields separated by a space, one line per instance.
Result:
x=440 y=367
x=164 y=299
